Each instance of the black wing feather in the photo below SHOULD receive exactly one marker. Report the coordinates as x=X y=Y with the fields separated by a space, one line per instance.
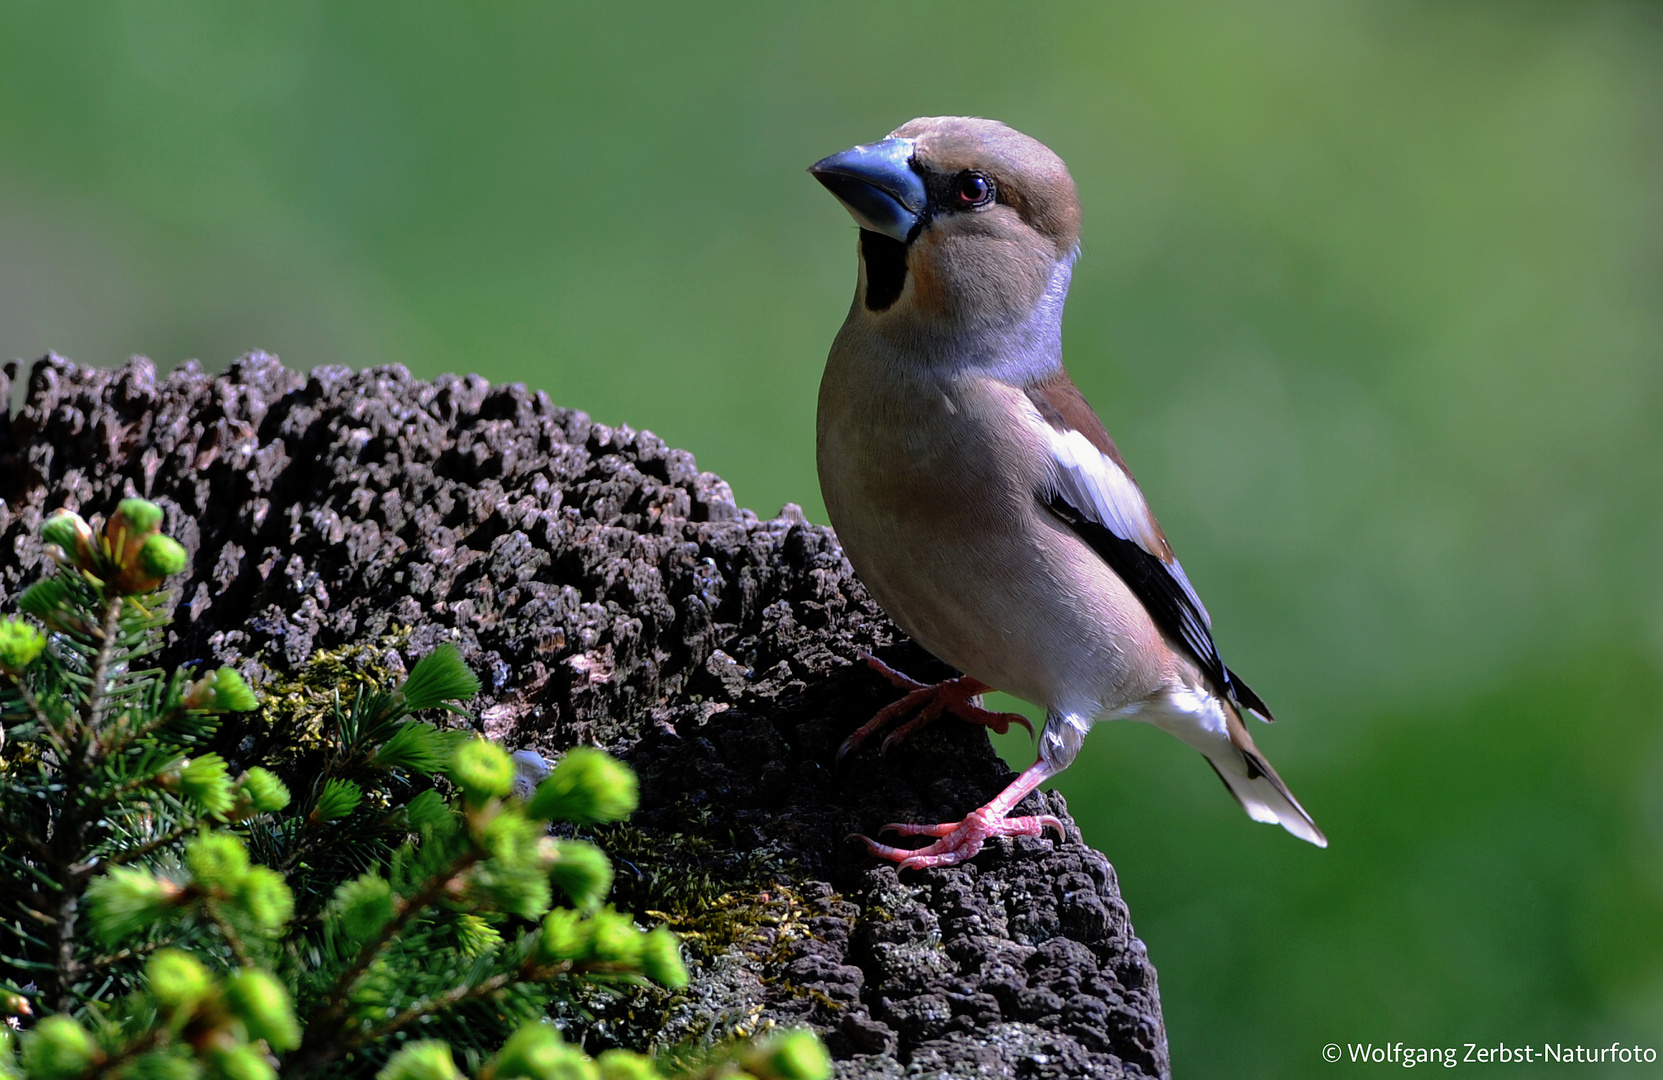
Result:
x=1166 y=600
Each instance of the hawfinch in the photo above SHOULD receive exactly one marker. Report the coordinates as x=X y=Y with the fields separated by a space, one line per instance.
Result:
x=978 y=496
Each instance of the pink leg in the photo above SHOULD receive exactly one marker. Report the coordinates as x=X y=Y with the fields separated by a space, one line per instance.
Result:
x=961 y=840
x=953 y=696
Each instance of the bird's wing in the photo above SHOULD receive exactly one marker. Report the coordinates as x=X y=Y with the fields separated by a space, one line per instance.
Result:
x=1092 y=491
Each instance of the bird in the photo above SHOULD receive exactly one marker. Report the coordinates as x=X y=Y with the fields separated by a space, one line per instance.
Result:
x=979 y=498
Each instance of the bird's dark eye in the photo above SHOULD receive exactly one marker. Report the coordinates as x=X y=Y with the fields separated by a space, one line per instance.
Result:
x=972 y=189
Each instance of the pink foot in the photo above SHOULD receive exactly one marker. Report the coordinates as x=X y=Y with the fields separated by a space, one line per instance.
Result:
x=930 y=701
x=961 y=840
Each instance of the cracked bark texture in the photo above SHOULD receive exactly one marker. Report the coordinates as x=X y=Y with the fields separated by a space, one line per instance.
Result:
x=607 y=592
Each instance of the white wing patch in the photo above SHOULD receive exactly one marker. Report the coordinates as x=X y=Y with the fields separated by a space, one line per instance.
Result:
x=1100 y=490
x=1087 y=489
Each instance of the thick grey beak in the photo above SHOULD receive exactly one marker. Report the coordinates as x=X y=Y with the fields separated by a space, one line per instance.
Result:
x=875 y=182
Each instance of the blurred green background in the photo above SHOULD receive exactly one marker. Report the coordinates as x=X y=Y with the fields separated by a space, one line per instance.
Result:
x=1371 y=296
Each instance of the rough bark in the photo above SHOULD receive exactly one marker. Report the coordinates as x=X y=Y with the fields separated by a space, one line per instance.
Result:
x=610 y=593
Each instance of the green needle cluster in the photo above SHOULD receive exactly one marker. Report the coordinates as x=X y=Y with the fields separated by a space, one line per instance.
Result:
x=190 y=919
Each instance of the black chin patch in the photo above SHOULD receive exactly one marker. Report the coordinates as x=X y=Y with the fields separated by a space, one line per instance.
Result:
x=886 y=269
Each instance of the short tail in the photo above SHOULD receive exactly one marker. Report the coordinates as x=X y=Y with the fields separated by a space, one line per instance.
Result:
x=1254 y=784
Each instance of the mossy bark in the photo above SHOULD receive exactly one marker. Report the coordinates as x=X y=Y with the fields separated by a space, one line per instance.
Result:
x=608 y=592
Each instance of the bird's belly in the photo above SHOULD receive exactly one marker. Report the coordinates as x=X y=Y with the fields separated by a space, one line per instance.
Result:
x=1021 y=604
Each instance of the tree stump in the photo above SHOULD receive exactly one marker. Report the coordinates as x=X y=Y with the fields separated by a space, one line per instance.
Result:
x=607 y=592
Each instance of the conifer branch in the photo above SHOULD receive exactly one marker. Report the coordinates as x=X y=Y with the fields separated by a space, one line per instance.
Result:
x=216 y=915
x=87 y=895
x=116 y=792
x=99 y=691
x=130 y=735
x=47 y=722
x=108 y=1065
x=132 y=952
x=22 y=835
x=127 y=855
x=430 y=1006
x=330 y=1022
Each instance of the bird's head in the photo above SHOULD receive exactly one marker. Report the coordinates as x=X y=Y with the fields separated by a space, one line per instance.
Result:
x=966 y=224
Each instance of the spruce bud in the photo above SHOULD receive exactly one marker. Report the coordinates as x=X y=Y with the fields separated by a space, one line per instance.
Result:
x=337 y=799
x=240 y=1062
x=204 y=778
x=231 y=693
x=476 y=937
x=661 y=958
x=537 y=1052
x=438 y=677
x=139 y=517
x=565 y=936
x=588 y=785
x=257 y=999
x=164 y=1065
x=614 y=939
x=177 y=979
x=429 y=1059
x=626 y=1065
x=482 y=770
x=142 y=557
x=428 y=808
x=794 y=1055
x=57 y=1049
x=265 y=793
x=20 y=644
x=511 y=839
x=415 y=746
x=266 y=897
x=51 y=601
x=217 y=859
x=581 y=870
x=68 y=540
x=128 y=900
x=162 y=556
x=364 y=905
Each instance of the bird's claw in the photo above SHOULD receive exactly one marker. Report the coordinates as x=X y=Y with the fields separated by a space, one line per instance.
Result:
x=909 y=829
x=901 y=682
x=930 y=700
x=958 y=841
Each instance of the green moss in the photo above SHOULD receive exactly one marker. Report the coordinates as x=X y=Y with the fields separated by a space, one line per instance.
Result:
x=711 y=894
x=697 y=880
x=721 y=901
x=296 y=707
